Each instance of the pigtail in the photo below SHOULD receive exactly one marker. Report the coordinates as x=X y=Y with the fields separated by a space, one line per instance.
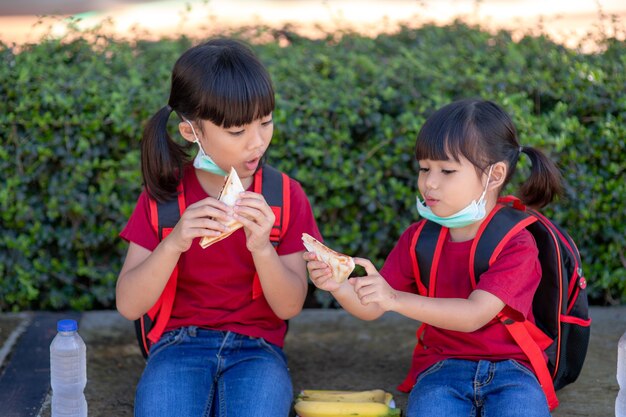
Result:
x=162 y=159
x=544 y=183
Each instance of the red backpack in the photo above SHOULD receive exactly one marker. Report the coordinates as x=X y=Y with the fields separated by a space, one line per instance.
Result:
x=273 y=184
x=562 y=323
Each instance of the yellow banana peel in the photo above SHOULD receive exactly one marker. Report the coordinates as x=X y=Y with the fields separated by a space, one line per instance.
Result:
x=375 y=395
x=340 y=409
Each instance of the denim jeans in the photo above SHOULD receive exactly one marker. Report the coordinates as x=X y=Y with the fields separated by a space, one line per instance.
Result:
x=455 y=387
x=193 y=372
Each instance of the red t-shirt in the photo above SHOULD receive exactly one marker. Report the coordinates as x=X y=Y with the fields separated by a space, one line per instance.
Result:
x=513 y=278
x=214 y=288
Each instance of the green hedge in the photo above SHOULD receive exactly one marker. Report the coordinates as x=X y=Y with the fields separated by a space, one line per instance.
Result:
x=348 y=111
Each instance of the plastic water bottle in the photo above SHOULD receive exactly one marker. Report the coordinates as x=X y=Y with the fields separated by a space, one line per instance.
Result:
x=68 y=371
x=620 y=402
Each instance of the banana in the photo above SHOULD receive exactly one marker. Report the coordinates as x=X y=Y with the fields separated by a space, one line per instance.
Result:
x=375 y=395
x=340 y=409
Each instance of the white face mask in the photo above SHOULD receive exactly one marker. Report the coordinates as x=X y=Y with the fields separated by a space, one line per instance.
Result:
x=475 y=211
x=204 y=161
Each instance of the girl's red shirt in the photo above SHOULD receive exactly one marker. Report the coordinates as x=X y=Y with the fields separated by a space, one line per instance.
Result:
x=214 y=289
x=513 y=278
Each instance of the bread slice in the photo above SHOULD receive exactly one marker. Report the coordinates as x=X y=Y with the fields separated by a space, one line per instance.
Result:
x=230 y=191
x=341 y=265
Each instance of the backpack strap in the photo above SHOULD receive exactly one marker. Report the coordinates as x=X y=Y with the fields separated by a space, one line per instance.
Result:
x=494 y=233
x=274 y=185
x=427 y=241
x=163 y=218
x=525 y=335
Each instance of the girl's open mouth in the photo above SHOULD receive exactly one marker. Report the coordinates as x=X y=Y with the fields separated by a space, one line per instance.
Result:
x=252 y=164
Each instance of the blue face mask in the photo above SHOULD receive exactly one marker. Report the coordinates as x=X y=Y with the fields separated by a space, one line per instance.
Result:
x=204 y=161
x=474 y=212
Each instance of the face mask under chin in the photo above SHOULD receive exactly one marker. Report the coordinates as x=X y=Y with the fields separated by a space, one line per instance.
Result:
x=472 y=213
x=203 y=161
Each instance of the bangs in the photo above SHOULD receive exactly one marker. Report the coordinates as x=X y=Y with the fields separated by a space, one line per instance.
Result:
x=436 y=143
x=236 y=95
x=449 y=134
x=221 y=81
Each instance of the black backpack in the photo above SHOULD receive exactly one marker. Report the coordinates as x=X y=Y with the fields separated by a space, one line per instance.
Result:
x=273 y=184
x=560 y=303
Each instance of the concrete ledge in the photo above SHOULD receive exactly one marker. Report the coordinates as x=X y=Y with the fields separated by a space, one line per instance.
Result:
x=327 y=349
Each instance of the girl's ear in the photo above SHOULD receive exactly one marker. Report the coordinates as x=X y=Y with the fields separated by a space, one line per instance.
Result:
x=498 y=175
x=186 y=131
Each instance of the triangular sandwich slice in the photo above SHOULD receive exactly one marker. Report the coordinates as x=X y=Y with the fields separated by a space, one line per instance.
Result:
x=341 y=265
x=231 y=190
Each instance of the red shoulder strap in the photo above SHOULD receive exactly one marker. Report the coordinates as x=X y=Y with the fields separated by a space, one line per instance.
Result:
x=163 y=217
x=533 y=341
x=426 y=245
x=274 y=185
x=494 y=233
x=409 y=380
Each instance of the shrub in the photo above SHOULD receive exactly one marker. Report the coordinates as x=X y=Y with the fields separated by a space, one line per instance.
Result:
x=348 y=111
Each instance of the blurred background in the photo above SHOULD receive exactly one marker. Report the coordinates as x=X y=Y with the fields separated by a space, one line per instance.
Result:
x=565 y=21
x=354 y=82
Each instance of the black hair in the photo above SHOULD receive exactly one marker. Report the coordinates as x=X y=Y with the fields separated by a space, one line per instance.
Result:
x=483 y=133
x=221 y=81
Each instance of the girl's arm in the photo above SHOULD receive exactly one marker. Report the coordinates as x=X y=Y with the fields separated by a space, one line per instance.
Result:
x=283 y=278
x=463 y=315
x=143 y=278
x=145 y=273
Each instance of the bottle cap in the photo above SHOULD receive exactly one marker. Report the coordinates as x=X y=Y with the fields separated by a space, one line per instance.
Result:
x=67 y=325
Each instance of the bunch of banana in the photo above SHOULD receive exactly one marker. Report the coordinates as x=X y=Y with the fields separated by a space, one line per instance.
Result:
x=326 y=403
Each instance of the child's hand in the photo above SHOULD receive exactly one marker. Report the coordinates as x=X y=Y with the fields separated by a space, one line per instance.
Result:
x=257 y=218
x=320 y=273
x=203 y=218
x=373 y=288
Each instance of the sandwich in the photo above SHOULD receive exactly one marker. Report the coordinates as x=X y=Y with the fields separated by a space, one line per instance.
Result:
x=341 y=265
x=230 y=191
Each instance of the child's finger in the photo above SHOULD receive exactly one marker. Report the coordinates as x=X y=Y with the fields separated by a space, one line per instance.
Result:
x=314 y=265
x=256 y=201
x=209 y=224
x=251 y=199
x=309 y=256
x=211 y=202
x=326 y=283
x=250 y=213
x=201 y=232
x=210 y=211
x=321 y=272
x=249 y=223
x=365 y=291
x=361 y=282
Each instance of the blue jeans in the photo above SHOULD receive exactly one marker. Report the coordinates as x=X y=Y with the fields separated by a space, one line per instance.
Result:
x=193 y=372
x=456 y=387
